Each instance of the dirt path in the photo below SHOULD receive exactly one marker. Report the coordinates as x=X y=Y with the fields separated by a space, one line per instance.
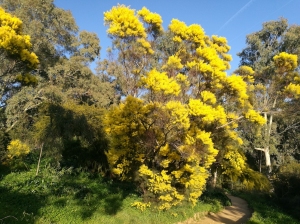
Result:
x=238 y=212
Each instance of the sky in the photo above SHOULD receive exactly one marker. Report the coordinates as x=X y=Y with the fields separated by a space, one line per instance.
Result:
x=233 y=19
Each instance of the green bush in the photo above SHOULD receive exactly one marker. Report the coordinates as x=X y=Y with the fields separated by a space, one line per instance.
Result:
x=286 y=188
x=265 y=209
x=217 y=197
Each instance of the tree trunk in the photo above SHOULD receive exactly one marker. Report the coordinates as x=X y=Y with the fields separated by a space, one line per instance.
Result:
x=260 y=161
x=215 y=175
x=267 y=157
x=38 y=166
x=268 y=130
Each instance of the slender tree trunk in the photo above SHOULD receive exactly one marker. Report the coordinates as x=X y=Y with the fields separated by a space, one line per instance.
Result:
x=260 y=162
x=267 y=157
x=38 y=166
x=266 y=148
x=215 y=175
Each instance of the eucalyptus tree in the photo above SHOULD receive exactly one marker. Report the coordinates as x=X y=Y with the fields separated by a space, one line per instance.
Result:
x=275 y=82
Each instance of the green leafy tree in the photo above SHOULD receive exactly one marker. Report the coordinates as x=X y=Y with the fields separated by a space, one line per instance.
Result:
x=55 y=38
x=63 y=77
x=275 y=82
x=71 y=135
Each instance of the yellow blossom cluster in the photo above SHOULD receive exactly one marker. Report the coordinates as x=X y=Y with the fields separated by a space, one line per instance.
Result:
x=160 y=82
x=293 y=89
x=182 y=79
x=208 y=97
x=193 y=33
x=145 y=45
x=220 y=45
x=151 y=18
x=127 y=126
x=13 y=41
x=174 y=62
x=246 y=73
x=255 y=117
x=123 y=22
x=17 y=148
x=286 y=64
x=285 y=61
x=236 y=163
x=141 y=205
x=210 y=56
x=160 y=184
x=207 y=113
x=239 y=87
x=179 y=114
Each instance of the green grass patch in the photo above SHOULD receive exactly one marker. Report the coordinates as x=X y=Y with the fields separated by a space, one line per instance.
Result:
x=70 y=196
x=266 y=211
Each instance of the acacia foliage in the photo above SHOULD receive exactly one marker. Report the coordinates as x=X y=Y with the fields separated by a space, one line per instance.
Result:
x=13 y=42
x=52 y=29
x=62 y=111
x=172 y=123
x=15 y=51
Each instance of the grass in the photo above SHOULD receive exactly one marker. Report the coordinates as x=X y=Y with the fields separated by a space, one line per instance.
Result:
x=266 y=211
x=67 y=196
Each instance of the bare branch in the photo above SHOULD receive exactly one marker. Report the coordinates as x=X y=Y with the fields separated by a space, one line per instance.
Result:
x=10 y=216
x=240 y=117
x=261 y=149
x=295 y=125
x=11 y=127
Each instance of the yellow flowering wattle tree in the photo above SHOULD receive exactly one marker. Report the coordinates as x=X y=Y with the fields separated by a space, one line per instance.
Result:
x=172 y=124
x=15 y=54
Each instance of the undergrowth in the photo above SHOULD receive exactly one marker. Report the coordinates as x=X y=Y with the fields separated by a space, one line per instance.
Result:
x=66 y=195
x=266 y=210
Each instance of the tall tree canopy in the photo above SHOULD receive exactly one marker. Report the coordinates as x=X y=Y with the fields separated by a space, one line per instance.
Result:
x=273 y=38
x=62 y=77
x=52 y=29
x=15 y=51
x=273 y=53
x=172 y=122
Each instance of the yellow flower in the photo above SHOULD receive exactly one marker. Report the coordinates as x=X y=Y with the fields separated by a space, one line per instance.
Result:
x=17 y=148
x=254 y=116
x=13 y=41
x=160 y=82
x=123 y=22
x=286 y=61
x=293 y=89
x=173 y=63
x=151 y=18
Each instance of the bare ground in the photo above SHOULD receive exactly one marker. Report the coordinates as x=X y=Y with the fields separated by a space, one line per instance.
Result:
x=238 y=212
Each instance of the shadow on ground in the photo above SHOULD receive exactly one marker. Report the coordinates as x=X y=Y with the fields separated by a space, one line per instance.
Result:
x=19 y=207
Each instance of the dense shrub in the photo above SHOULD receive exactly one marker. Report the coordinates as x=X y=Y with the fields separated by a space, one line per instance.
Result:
x=286 y=188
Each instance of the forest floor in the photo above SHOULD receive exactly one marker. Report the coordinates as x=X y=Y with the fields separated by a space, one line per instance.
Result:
x=238 y=212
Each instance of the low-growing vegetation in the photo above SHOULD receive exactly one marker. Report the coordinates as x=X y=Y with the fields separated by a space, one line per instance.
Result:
x=266 y=209
x=75 y=196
